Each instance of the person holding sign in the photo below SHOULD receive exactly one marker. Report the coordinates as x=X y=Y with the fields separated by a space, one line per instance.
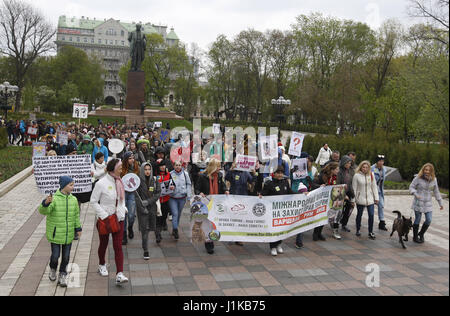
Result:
x=211 y=183
x=147 y=195
x=130 y=165
x=63 y=222
x=183 y=190
x=108 y=199
x=279 y=185
x=164 y=178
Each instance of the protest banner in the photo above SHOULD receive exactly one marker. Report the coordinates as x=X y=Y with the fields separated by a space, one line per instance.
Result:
x=80 y=111
x=295 y=148
x=201 y=228
x=273 y=218
x=48 y=170
x=39 y=149
x=62 y=137
x=299 y=168
x=245 y=163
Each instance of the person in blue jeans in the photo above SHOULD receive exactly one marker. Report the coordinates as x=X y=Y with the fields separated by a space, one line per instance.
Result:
x=379 y=171
x=130 y=165
x=182 y=191
x=366 y=193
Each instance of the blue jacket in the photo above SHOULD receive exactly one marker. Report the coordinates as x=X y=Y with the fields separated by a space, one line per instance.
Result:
x=22 y=126
x=239 y=181
x=380 y=177
x=102 y=149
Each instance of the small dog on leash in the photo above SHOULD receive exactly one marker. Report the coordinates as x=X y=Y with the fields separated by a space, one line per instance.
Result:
x=402 y=226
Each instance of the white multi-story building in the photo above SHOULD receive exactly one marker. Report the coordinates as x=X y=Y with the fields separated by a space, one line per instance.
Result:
x=108 y=40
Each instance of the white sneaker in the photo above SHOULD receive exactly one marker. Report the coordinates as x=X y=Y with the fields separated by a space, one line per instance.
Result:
x=170 y=217
x=120 y=278
x=279 y=249
x=273 y=251
x=336 y=235
x=103 y=270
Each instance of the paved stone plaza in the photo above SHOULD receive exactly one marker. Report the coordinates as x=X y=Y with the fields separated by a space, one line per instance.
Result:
x=180 y=268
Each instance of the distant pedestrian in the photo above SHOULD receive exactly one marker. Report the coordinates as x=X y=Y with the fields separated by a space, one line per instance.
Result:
x=63 y=222
x=324 y=155
x=423 y=187
x=379 y=170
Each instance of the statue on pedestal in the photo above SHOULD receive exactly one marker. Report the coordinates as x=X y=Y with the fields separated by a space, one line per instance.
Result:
x=138 y=45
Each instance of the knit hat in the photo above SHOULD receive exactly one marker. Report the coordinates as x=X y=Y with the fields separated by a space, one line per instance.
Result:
x=127 y=155
x=302 y=188
x=87 y=137
x=64 y=181
x=380 y=157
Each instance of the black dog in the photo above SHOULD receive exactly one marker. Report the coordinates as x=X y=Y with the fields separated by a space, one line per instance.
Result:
x=402 y=226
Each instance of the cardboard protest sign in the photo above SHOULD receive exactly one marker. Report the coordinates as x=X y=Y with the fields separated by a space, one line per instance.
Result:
x=62 y=137
x=299 y=168
x=80 y=111
x=295 y=148
x=39 y=149
x=269 y=148
x=165 y=187
x=48 y=170
x=32 y=131
x=245 y=163
x=216 y=128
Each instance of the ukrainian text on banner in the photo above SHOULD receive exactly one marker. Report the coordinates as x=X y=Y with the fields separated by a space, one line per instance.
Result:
x=47 y=171
x=271 y=218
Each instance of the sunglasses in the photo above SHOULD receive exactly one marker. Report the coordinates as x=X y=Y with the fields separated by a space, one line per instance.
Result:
x=381 y=156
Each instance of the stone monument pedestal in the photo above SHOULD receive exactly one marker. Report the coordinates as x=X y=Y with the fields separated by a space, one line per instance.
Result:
x=135 y=90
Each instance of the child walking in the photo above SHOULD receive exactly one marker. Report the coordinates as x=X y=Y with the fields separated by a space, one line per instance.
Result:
x=63 y=222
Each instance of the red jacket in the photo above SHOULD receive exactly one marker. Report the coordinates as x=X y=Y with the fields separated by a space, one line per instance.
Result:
x=163 y=177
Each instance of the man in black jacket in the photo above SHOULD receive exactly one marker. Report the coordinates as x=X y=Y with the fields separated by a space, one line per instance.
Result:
x=279 y=185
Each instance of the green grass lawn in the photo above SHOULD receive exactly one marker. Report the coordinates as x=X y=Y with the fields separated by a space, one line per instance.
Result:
x=14 y=159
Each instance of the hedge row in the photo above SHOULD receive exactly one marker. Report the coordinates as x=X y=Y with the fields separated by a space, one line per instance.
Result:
x=407 y=158
x=3 y=138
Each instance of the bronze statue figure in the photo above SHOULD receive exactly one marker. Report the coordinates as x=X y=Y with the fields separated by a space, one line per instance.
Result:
x=138 y=45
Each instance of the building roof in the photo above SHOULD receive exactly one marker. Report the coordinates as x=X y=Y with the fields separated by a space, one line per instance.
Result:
x=89 y=24
x=172 y=35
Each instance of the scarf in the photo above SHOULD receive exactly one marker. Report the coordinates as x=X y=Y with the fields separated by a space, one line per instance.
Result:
x=214 y=184
x=120 y=189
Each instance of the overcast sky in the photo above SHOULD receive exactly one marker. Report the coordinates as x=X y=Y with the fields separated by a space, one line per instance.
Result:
x=201 y=21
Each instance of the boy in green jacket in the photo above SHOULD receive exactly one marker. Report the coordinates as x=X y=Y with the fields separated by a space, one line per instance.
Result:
x=63 y=221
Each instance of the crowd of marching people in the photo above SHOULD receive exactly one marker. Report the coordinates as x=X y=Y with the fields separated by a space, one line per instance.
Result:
x=149 y=158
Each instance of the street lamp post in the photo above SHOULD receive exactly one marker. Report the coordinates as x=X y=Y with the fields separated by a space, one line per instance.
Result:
x=7 y=91
x=278 y=105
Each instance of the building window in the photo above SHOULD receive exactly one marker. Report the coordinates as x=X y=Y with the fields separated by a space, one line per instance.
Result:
x=63 y=38
x=116 y=42
x=92 y=40
x=78 y=39
x=85 y=40
x=123 y=43
x=99 y=41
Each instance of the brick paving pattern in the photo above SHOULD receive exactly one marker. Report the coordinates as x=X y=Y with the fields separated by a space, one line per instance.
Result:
x=335 y=268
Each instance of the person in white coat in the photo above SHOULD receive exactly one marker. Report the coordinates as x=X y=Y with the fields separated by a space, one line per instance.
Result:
x=108 y=198
x=98 y=168
x=324 y=155
x=366 y=195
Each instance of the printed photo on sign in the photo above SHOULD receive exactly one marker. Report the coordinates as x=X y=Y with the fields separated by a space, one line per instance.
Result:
x=201 y=228
x=165 y=187
x=62 y=137
x=299 y=168
x=269 y=148
x=216 y=129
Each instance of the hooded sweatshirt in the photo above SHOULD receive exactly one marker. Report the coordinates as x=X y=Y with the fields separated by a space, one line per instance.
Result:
x=183 y=185
x=102 y=149
x=345 y=176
